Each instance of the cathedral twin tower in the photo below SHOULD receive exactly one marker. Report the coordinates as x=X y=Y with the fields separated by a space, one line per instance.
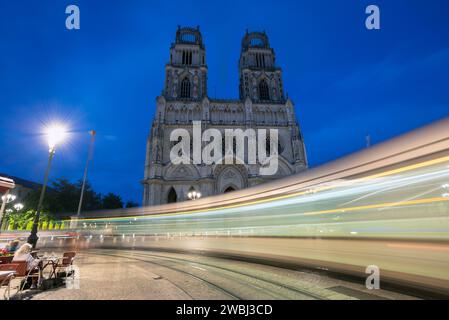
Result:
x=184 y=99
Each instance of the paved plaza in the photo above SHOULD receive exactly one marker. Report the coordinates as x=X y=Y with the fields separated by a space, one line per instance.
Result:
x=147 y=275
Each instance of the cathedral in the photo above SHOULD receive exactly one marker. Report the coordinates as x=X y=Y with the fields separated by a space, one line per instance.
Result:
x=262 y=104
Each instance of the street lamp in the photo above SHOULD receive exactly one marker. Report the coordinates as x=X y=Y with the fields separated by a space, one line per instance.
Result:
x=89 y=157
x=18 y=206
x=55 y=134
x=193 y=195
x=8 y=198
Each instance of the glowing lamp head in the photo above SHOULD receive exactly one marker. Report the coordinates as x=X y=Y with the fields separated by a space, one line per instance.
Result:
x=55 y=133
x=193 y=195
x=8 y=198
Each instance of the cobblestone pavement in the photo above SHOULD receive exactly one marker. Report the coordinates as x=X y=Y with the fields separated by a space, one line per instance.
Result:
x=121 y=274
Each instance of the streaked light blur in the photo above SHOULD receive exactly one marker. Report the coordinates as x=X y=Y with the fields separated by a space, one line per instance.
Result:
x=409 y=204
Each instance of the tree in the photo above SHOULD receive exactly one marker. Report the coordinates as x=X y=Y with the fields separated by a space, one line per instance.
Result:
x=62 y=198
x=112 y=201
x=24 y=220
x=131 y=204
x=91 y=199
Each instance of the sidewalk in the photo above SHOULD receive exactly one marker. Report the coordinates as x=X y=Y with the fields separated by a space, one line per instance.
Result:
x=110 y=278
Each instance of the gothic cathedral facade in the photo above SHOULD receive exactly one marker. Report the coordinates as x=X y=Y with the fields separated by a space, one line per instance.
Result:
x=261 y=104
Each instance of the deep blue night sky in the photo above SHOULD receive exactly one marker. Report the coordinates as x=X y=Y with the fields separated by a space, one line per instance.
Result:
x=346 y=81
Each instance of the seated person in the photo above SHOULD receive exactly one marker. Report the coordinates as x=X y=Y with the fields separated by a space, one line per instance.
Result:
x=24 y=254
x=11 y=247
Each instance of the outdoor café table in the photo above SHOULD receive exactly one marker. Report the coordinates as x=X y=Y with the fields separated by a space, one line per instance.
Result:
x=51 y=261
x=34 y=253
x=4 y=274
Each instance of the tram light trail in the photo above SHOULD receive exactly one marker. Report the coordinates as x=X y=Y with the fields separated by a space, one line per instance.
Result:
x=385 y=206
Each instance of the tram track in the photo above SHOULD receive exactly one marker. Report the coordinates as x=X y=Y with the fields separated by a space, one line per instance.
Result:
x=208 y=283
x=274 y=283
x=269 y=287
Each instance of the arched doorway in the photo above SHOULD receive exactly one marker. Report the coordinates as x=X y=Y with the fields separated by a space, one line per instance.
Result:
x=229 y=178
x=229 y=189
x=172 y=196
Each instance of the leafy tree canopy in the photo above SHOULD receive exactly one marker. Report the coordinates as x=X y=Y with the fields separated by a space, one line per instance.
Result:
x=131 y=204
x=62 y=198
x=112 y=201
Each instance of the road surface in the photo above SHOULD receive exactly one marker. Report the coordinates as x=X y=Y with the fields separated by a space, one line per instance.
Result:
x=133 y=274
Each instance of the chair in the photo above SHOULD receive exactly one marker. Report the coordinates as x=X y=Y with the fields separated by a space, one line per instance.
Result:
x=6 y=259
x=20 y=269
x=22 y=272
x=6 y=280
x=65 y=263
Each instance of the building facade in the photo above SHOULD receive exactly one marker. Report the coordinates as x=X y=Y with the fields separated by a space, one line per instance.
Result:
x=261 y=104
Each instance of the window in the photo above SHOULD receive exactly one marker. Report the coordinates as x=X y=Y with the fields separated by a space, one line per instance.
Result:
x=223 y=146
x=268 y=146
x=256 y=42
x=188 y=37
x=260 y=60
x=185 y=88
x=187 y=58
x=263 y=91
x=172 y=197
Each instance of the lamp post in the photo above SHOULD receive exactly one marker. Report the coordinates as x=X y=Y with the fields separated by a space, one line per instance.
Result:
x=17 y=207
x=193 y=195
x=7 y=198
x=55 y=134
x=89 y=157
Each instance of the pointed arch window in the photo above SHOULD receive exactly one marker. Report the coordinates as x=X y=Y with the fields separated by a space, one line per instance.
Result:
x=268 y=146
x=223 y=147
x=185 y=88
x=172 y=197
x=263 y=90
x=187 y=58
